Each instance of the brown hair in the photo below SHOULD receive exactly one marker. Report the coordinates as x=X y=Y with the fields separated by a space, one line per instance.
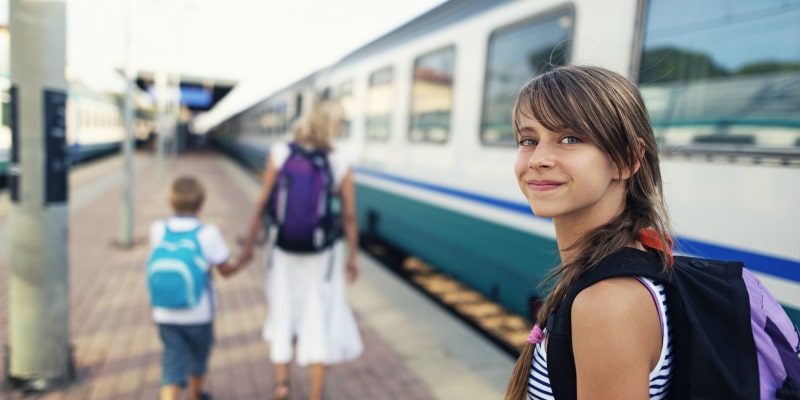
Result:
x=609 y=110
x=319 y=127
x=187 y=195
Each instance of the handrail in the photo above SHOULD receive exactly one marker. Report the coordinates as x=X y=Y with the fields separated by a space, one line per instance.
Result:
x=739 y=154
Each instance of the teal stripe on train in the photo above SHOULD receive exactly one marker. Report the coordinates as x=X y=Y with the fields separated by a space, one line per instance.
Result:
x=502 y=263
x=481 y=254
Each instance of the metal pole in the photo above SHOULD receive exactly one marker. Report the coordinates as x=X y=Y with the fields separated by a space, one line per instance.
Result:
x=126 y=220
x=38 y=293
x=161 y=117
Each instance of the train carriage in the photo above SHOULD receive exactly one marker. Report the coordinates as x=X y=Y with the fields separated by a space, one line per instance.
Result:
x=428 y=122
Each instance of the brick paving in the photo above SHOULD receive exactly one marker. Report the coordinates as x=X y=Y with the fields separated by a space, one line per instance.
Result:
x=116 y=347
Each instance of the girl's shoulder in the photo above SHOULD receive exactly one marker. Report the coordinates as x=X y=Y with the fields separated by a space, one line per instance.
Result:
x=612 y=296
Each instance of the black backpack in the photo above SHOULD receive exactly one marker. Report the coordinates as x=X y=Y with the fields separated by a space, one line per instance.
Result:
x=731 y=338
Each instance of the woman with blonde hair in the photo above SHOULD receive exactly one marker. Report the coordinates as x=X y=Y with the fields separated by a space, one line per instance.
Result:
x=309 y=319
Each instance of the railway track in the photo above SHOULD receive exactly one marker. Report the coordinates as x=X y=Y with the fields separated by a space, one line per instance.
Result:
x=507 y=330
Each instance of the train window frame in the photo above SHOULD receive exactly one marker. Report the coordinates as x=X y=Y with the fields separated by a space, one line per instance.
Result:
x=735 y=137
x=390 y=70
x=347 y=119
x=539 y=17
x=426 y=139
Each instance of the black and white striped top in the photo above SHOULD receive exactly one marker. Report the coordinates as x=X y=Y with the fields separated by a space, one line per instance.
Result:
x=660 y=376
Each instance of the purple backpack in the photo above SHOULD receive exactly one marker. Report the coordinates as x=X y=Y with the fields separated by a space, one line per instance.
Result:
x=303 y=203
x=777 y=342
x=731 y=338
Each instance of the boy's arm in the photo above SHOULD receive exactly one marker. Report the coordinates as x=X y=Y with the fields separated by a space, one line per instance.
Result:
x=230 y=266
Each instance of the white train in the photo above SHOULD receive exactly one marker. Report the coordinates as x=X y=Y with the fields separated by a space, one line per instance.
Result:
x=428 y=122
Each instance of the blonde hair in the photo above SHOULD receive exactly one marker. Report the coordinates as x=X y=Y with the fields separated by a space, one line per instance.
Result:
x=319 y=127
x=610 y=112
x=187 y=195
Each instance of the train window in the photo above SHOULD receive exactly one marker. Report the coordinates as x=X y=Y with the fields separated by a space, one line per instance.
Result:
x=723 y=75
x=5 y=117
x=345 y=96
x=432 y=96
x=265 y=125
x=380 y=103
x=298 y=106
x=516 y=54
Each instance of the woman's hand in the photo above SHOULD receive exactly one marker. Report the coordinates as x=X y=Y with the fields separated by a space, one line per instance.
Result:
x=352 y=269
x=246 y=253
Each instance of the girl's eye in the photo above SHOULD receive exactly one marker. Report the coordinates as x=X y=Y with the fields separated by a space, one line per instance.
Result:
x=570 y=140
x=527 y=142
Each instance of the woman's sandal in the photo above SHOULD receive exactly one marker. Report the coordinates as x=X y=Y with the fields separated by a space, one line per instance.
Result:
x=281 y=391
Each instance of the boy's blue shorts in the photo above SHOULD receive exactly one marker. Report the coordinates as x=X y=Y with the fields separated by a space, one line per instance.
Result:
x=186 y=351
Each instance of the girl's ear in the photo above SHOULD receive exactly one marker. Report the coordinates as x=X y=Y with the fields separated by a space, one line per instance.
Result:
x=627 y=172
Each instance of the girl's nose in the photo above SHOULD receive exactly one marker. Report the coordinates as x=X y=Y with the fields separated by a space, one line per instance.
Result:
x=542 y=157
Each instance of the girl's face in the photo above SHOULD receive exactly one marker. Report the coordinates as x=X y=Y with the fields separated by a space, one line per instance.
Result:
x=565 y=177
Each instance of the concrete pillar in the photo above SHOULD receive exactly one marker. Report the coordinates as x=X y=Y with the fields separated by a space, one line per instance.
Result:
x=38 y=293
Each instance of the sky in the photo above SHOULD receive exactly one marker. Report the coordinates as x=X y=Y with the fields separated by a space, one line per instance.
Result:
x=263 y=43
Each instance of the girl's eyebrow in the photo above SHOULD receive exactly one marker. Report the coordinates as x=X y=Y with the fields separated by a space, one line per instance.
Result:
x=524 y=130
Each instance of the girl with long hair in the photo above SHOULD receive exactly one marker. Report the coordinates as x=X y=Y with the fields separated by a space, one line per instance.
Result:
x=587 y=159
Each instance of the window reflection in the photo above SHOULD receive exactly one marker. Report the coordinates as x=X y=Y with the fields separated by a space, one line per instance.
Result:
x=516 y=54
x=432 y=96
x=345 y=96
x=380 y=102
x=723 y=72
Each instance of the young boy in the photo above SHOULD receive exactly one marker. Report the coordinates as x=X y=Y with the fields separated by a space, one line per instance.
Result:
x=188 y=333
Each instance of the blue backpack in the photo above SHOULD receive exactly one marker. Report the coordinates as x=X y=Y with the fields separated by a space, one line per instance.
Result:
x=731 y=338
x=303 y=204
x=176 y=270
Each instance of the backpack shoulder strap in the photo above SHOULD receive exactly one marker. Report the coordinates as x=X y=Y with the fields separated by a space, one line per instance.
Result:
x=167 y=231
x=560 y=357
x=625 y=262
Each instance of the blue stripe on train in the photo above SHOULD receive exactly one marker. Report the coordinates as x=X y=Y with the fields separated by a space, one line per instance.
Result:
x=497 y=203
x=779 y=267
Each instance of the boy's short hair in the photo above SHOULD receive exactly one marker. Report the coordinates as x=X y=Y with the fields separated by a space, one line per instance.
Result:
x=187 y=195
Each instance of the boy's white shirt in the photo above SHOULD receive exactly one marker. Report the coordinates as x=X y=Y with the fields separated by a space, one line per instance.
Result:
x=216 y=252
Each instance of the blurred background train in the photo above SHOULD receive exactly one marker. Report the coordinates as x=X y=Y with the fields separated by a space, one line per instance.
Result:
x=428 y=124
x=95 y=122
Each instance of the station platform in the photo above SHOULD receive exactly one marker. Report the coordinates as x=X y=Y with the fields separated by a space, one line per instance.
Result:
x=413 y=348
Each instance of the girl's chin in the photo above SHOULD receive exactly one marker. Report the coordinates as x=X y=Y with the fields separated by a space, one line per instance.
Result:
x=542 y=212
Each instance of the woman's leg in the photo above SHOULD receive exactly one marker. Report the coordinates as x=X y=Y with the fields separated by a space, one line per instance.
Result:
x=317 y=381
x=281 y=381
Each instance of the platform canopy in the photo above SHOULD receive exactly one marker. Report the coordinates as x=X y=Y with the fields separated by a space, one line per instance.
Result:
x=196 y=93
